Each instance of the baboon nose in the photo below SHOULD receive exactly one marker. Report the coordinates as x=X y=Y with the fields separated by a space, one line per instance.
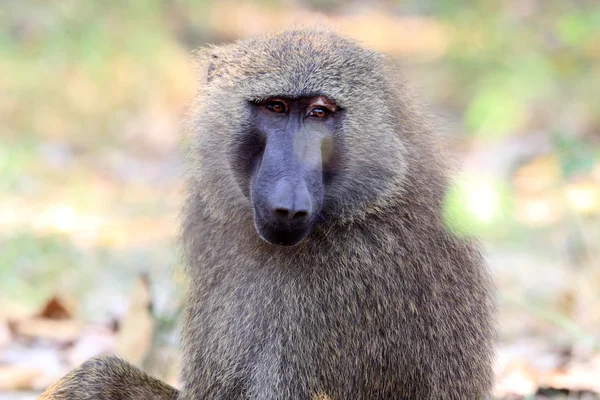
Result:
x=289 y=202
x=292 y=215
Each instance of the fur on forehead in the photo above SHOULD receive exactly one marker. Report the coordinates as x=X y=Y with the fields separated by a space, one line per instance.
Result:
x=294 y=63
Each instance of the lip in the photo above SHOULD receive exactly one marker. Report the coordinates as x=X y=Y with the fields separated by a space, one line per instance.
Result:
x=281 y=234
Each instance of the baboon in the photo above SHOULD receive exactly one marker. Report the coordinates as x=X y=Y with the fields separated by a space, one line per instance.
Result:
x=319 y=261
x=108 y=378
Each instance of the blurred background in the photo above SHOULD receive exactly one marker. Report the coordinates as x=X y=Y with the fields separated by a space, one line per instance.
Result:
x=91 y=95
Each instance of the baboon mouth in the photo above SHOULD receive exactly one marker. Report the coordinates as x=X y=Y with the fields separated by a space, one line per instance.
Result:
x=281 y=235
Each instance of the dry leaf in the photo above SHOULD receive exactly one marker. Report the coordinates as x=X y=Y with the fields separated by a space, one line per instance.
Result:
x=516 y=378
x=10 y=311
x=58 y=308
x=63 y=331
x=136 y=329
x=577 y=378
x=18 y=377
x=5 y=335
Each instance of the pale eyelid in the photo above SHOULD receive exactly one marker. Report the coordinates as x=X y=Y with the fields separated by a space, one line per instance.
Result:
x=319 y=103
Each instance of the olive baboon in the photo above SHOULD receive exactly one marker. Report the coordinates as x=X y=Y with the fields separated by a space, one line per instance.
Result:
x=318 y=258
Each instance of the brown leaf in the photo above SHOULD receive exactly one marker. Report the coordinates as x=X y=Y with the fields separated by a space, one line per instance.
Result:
x=135 y=335
x=18 y=377
x=516 y=378
x=57 y=308
x=62 y=331
x=5 y=334
x=582 y=377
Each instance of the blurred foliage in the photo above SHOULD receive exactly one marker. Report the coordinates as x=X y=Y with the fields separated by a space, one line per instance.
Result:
x=76 y=70
x=91 y=94
x=526 y=56
x=34 y=262
x=514 y=65
x=481 y=205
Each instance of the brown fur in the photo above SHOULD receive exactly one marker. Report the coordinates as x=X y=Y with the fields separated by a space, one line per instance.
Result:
x=108 y=378
x=381 y=300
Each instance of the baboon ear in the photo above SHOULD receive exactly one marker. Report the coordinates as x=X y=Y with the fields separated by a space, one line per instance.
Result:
x=208 y=62
x=212 y=67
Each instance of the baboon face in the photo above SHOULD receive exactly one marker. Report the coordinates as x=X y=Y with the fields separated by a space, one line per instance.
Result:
x=284 y=160
x=294 y=131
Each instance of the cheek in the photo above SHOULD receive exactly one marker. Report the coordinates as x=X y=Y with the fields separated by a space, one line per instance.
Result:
x=245 y=156
x=332 y=159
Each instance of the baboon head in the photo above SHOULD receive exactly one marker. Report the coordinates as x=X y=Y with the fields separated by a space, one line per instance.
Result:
x=294 y=128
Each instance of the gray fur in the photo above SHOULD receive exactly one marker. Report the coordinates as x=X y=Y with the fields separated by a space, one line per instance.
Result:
x=380 y=301
x=108 y=377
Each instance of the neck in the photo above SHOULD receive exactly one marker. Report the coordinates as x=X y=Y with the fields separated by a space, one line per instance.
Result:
x=213 y=244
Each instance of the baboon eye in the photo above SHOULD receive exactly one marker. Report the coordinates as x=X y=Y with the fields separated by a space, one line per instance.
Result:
x=276 y=106
x=319 y=112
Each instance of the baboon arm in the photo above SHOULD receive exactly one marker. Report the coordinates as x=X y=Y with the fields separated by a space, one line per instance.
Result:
x=108 y=378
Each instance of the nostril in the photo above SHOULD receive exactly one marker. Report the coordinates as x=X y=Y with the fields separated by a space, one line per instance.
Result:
x=282 y=212
x=286 y=214
x=300 y=215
